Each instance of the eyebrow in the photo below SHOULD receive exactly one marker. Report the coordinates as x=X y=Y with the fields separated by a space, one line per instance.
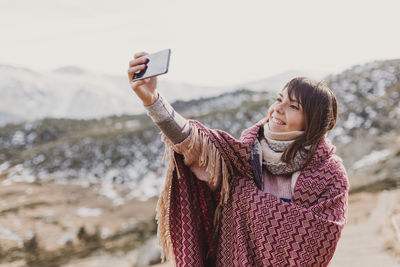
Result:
x=298 y=102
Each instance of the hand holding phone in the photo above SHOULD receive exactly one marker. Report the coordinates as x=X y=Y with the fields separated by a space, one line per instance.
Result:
x=142 y=74
x=157 y=64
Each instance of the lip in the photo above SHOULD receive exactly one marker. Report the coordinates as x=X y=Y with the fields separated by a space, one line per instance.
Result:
x=277 y=121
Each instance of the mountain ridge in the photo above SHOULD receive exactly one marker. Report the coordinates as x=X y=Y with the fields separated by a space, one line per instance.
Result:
x=72 y=92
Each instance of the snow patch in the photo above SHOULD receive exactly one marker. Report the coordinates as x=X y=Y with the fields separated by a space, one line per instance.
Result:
x=88 y=212
x=19 y=174
x=7 y=234
x=374 y=157
x=18 y=138
x=105 y=232
x=150 y=186
x=65 y=238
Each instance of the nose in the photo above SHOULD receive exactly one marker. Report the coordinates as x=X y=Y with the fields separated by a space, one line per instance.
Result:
x=279 y=108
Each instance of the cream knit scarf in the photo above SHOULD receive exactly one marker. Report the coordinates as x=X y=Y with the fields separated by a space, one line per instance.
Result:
x=272 y=146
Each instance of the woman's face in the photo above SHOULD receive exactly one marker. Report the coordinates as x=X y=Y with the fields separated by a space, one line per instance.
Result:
x=286 y=115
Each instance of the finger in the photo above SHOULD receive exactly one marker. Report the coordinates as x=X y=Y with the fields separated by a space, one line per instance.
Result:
x=133 y=70
x=136 y=68
x=141 y=60
x=140 y=54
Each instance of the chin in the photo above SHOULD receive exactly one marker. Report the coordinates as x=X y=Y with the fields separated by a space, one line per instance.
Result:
x=278 y=128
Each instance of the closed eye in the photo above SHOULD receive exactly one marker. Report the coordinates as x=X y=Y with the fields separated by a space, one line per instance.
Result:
x=294 y=107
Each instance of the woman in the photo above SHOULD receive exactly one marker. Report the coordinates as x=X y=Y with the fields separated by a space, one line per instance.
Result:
x=275 y=197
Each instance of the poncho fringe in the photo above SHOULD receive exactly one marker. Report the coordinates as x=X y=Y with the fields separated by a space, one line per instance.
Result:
x=214 y=163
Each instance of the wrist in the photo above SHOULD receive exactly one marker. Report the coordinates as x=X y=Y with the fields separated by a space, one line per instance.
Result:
x=150 y=101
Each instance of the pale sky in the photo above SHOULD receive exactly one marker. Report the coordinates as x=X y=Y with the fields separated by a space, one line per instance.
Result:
x=213 y=42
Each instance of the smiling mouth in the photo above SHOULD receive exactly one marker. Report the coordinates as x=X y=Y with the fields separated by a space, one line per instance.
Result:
x=277 y=121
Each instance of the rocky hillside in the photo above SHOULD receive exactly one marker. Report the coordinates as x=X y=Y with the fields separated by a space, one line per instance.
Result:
x=126 y=150
x=123 y=150
x=368 y=128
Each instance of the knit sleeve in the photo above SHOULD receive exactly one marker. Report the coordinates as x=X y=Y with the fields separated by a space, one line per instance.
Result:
x=170 y=122
x=182 y=139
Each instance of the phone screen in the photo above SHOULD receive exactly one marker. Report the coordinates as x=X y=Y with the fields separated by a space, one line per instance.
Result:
x=157 y=64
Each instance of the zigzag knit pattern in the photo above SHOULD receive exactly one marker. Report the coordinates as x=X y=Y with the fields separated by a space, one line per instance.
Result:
x=256 y=228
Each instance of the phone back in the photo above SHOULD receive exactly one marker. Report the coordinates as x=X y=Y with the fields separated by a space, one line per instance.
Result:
x=158 y=64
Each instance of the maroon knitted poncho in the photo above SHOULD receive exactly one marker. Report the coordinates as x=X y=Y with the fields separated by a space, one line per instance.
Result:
x=240 y=225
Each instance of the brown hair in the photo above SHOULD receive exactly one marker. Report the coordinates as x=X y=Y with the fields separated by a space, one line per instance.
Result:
x=320 y=114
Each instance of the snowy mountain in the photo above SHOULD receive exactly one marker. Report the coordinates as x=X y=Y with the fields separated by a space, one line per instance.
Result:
x=70 y=92
x=67 y=92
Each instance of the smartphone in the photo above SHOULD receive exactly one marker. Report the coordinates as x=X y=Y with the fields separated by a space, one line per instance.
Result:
x=157 y=64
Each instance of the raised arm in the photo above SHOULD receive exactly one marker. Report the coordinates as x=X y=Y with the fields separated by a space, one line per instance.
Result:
x=175 y=127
